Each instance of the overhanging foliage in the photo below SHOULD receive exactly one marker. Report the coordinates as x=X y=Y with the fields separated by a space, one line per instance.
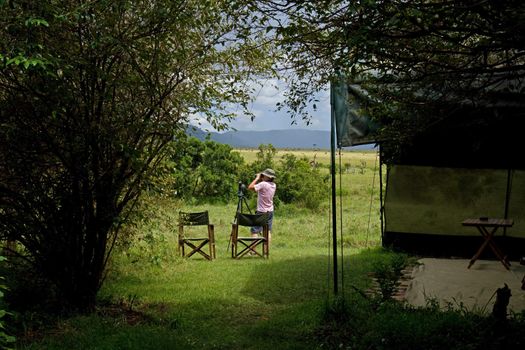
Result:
x=418 y=58
x=90 y=95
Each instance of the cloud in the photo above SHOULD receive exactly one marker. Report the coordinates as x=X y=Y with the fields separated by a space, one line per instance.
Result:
x=267 y=94
x=270 y=93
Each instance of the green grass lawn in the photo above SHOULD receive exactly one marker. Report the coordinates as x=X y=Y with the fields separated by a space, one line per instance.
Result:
x=154 y=299
x=224 y=304
x=167 y=302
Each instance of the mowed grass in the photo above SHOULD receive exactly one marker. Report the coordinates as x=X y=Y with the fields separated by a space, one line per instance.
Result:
x=166 y=302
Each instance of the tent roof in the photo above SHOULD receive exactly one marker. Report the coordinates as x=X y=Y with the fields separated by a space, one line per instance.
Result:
x=470 y=137
x=501 y=110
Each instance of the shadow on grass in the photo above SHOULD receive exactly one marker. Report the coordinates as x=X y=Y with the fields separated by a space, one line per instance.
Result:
x=248 y=304
x=297 y=280
x=289 y=281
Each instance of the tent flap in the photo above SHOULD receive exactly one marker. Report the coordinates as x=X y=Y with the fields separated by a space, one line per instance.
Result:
x=353 y=125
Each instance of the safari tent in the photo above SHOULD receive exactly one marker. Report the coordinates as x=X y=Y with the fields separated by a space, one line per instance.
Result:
x=470 y=164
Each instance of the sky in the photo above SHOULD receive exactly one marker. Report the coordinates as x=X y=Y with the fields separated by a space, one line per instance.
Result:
x=267 y=118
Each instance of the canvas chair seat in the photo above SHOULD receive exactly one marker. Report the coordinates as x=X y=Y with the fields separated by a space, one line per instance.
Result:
x=241 y=246
x=197 y=244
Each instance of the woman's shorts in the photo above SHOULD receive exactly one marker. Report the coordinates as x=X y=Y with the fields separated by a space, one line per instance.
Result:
x=258 y=229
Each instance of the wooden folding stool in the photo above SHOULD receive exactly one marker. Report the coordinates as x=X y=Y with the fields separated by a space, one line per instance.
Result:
x=244 y=245
x=196 y=244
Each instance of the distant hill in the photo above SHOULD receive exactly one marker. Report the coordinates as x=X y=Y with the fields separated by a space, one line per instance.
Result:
x=290 y=138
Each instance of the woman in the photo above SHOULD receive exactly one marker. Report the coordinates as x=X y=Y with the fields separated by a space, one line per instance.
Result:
x=265 y=187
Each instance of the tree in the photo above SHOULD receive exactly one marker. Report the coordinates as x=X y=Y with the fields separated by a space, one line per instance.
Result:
x=265 y=157
x=91 y=93
x=219 y=173
x=413 y=57
x=201 y=170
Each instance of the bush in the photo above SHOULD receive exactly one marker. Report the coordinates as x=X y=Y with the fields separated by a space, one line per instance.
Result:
x=265 y=158
x=300 y=183
x=209 y=171
x=218 y=172
x=199 y=170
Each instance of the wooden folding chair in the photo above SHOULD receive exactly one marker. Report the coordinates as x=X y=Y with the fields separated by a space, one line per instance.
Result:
x=196 y=244
x=244 y=245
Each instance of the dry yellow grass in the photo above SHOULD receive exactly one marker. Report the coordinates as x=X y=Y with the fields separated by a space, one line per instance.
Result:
x=354 y=158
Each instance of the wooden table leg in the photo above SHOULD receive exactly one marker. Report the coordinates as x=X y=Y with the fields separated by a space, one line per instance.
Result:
x=499 y=254
x=497 y=251
x=487 y=236
x=488 y=241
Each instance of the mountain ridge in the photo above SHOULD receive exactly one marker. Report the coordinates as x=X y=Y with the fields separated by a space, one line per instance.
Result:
x=286 y=138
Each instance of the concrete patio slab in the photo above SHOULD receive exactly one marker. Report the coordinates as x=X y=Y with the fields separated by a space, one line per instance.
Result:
x=450 y=281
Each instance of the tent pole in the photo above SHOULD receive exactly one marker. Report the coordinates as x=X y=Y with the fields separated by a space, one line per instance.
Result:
x=507 y=197
x=381 y=211
x=334 y=209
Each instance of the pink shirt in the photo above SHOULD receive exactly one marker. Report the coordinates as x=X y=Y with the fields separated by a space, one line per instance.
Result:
x=265 y=192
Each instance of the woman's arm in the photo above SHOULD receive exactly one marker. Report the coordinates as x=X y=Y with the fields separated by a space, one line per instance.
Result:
x=251 y=186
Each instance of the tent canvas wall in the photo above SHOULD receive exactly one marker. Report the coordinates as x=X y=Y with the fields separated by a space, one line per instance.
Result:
x=424 y=208
x=467 y=165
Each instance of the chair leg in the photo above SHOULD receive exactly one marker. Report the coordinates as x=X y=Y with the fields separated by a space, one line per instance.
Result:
x=213 y=253
x=249 y=245
x=181 y=241
x=198 y=249
x=181 y=248
x=233 y=249
x=233 y=239
x=266 y=244
x=212 y=250
x=249 y=248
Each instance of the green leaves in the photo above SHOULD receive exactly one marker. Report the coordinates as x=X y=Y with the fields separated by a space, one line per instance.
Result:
x=414 y=56
x=36 y=22
x=23 y=62
x=95 y=92
x=199 y=170
x=301 y=183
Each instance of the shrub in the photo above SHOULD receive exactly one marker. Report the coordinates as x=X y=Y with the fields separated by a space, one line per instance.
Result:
x=199 y=170
x=388 y=272
x=265 y=157
x=300 y=183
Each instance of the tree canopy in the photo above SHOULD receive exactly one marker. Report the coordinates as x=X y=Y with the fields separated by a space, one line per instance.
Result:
x=91 y=92
x=410 y=56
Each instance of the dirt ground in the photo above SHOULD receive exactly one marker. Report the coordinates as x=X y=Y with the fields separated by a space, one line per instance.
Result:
x=450 y=281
